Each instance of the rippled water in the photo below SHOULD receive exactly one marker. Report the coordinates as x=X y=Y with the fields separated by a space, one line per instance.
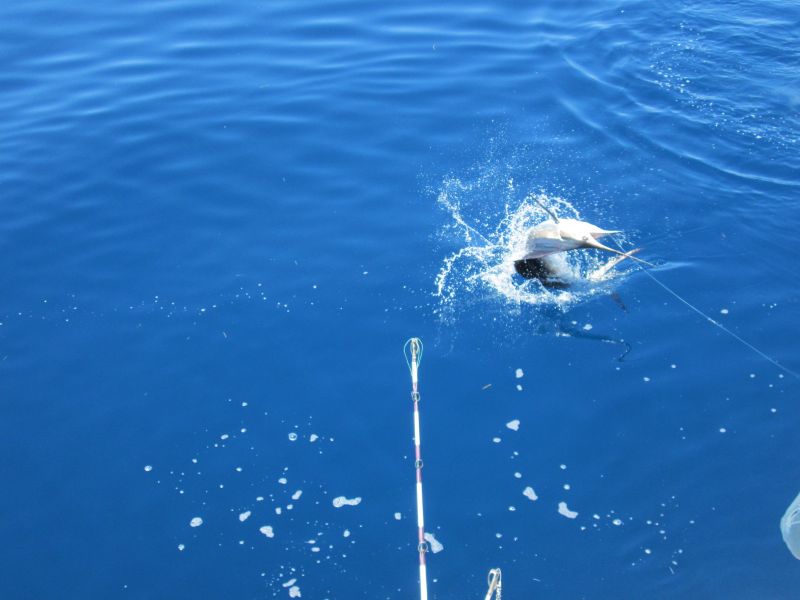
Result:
x=219 y=222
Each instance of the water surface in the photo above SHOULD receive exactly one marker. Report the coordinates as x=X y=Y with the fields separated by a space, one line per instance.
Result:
x=225 y=220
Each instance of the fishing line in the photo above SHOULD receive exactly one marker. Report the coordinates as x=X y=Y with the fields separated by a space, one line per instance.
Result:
x=714 y=322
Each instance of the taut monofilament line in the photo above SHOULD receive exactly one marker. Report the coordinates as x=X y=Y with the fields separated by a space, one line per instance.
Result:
x=714 y=322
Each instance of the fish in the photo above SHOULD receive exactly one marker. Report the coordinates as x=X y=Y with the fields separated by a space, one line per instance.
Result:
x=554 y=236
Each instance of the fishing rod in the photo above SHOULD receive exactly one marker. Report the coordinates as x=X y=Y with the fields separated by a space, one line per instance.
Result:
x=413 y=354
x=495 y=582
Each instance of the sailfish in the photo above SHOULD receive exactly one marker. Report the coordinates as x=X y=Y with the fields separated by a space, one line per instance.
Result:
x=554 y=236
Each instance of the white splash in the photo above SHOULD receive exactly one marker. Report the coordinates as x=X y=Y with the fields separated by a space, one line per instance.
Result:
x=484 y=264
x=513 y=425
x=244 y=516
x=196 y=522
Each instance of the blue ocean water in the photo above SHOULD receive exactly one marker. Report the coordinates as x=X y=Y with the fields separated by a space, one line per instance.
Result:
x=219 y=223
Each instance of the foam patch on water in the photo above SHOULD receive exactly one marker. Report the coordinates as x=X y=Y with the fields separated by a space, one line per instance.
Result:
x=490 y=243
x=565 y=511
x=341 y=501
x=436 y=545
x=267 y=531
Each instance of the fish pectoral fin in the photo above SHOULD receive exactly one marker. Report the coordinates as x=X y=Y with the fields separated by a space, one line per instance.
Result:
x=603 y=271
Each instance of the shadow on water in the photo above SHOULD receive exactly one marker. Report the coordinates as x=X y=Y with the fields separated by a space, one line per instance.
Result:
x=556 y=323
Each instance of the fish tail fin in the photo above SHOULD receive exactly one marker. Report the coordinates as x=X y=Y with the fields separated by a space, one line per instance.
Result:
x=603 y=271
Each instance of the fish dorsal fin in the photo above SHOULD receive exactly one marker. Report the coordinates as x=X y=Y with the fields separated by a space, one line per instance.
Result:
x=545 y=229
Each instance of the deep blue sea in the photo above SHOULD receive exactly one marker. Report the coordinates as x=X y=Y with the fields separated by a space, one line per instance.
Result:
x=220 y=221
